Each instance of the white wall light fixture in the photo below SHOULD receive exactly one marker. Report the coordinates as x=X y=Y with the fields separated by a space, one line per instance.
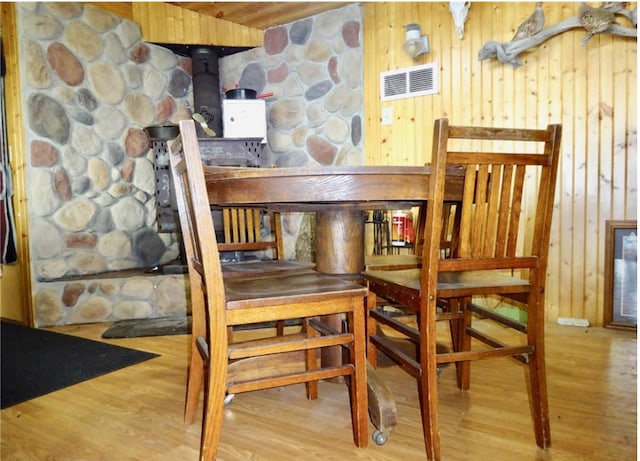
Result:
x=415 y=43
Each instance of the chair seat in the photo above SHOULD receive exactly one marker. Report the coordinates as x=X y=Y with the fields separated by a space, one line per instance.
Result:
x=391 y=262
x=252 y=268
x=474 y=281
x=302 y=284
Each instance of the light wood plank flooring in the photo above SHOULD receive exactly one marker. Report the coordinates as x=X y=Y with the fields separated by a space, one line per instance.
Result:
x=136 y=413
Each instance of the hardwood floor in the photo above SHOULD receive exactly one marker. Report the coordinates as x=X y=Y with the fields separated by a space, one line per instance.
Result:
x=136 y=413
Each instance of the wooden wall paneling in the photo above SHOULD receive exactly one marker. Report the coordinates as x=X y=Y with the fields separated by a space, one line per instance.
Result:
x=620 y=115
x=590 y=90
x=498 y=71
x=436 y=24
x=581 y=68
x=373 y=45
x=165 y=23
x=590 y=209
x=404 y=146
x=442 y=54
x=413 y=153
x=15 y=282
x=632 y=138
x=141 y=15
x=605 y=146
x=120 y=9
x=473 y=82
x=521 y=97
x=210 y=32
x=175 y=26
x=194 y=26
x=454 y=76
x=473 y=37
x=520 y=105
x=439 y=31
x=467 y=60
x=565 y=176
x=401 y=132
x=485 y=99
x=550 y=85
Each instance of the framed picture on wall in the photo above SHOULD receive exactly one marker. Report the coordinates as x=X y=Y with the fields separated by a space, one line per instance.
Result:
x=621 y=275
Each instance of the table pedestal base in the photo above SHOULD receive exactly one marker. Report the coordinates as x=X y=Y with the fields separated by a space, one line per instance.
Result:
x=340 y=251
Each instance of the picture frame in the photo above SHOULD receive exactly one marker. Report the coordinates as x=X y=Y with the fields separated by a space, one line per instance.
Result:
x=620 y=274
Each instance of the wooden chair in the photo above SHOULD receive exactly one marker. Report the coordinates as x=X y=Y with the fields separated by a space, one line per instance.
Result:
x=218 y=303
x=500 y=252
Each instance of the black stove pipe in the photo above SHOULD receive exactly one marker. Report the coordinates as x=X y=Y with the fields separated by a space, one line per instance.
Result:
x=206 y=87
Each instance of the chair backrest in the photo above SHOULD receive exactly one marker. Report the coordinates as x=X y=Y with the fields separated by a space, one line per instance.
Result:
x=509 y=174
x=196 y=223
x=243 y=228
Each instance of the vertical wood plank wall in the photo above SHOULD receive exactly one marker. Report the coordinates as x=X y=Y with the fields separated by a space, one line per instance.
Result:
x=15 y=283
x=164 y=23
x=591 y=91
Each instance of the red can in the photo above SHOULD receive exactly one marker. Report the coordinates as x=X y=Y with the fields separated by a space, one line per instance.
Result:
x=398 y=228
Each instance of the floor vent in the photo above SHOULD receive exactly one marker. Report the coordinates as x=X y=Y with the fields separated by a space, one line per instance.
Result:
x=409 y=82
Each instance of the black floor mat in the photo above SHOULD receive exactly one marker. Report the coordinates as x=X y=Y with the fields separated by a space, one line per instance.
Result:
x=36 y=362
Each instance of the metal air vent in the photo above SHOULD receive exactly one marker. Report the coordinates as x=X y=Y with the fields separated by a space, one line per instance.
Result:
x=409 y=82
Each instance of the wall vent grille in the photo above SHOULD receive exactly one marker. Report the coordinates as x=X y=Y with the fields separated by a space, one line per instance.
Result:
x=409 y=82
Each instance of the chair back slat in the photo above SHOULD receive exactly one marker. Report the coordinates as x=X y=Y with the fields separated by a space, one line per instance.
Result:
x=502 y=134
x=493 y=211
x=241 y=225
x=515 y=208
x=480 y=211
x=502 y=231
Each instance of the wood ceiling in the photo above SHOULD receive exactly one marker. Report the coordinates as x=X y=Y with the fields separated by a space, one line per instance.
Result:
x=260 y=15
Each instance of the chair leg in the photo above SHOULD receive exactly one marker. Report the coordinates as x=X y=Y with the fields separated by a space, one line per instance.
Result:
x=428 y=385
x=463 y=369
x=311 y=361
x=459 y=341
x=214 y=397
x=197 y=364
x=372 y=329
x=358 y=381
x=195 y=379
x=537 y=374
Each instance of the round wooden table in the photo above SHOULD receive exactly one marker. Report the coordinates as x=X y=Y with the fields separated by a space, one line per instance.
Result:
x=338 y=195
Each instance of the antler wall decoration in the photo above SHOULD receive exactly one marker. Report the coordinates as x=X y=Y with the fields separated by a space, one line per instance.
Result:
x=593 y=20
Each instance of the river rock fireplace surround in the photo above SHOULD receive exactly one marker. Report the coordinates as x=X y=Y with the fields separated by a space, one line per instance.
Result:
x=91 y=86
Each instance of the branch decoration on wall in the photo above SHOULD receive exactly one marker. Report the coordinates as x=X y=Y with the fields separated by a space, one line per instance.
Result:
x=532 y=32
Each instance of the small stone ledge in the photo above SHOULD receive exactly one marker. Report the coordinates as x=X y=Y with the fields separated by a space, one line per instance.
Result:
x=168 y=269
x=112 y=296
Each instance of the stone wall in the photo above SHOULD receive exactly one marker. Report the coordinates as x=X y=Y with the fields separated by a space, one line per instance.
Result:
x=314 y=69
x=90 y=86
